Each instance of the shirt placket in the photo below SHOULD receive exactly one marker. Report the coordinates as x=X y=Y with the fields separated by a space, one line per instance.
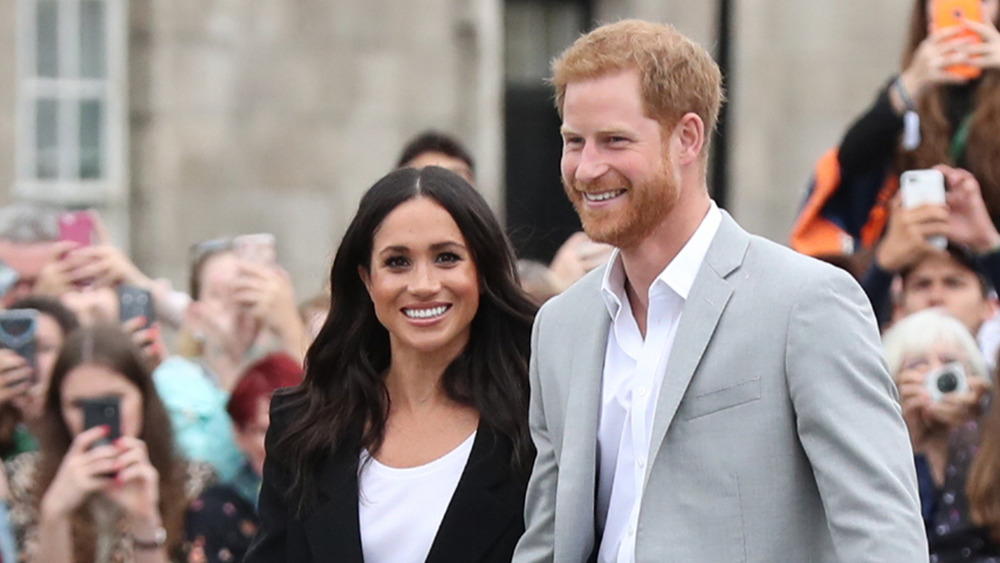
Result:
x=644 y=384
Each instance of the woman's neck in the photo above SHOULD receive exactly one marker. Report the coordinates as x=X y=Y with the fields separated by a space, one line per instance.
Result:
x=414 y=379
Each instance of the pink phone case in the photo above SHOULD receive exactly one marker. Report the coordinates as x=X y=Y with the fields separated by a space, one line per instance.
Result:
x=77 y=226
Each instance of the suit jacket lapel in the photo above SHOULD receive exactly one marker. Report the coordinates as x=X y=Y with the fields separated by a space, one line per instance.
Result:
x=583 y=410
x=702 y=310
x=332 y=529
x=479 y=511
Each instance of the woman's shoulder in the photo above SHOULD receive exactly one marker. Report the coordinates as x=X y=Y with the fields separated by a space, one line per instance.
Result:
x=20 y=472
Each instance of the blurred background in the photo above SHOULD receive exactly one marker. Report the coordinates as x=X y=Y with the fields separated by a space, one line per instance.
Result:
x=184 y=120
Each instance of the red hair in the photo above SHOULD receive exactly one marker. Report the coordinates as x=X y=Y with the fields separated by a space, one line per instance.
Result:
x=258 y=382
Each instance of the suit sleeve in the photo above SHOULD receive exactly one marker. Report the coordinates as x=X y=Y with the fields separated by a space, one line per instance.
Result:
x=538 y=542
x=850 y=424
x=272 y=508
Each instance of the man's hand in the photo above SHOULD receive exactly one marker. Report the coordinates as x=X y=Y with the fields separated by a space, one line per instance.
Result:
x=906 y=238
x=969 y=222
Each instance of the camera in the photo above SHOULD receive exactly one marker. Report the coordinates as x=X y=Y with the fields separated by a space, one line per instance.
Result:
x=949 y=378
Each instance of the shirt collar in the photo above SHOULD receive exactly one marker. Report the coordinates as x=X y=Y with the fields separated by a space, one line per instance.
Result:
x=678 y=275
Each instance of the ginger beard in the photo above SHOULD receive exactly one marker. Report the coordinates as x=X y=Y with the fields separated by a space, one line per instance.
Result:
x=646 y=204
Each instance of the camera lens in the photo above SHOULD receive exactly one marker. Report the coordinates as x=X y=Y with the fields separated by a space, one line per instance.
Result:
x=947 y=382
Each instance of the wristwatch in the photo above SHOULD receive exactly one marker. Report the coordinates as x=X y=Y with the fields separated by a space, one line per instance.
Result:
x=159 y=540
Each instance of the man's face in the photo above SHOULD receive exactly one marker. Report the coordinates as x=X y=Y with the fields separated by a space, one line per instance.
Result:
x=27 y=259
x=615 y=167
x=942 y=281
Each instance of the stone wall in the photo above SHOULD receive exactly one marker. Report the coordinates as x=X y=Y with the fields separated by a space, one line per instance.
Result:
x=275 y=116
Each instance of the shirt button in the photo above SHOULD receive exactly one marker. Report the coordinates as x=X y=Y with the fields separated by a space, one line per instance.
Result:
x=641 y=463
x=631 y=531
x=642 y=391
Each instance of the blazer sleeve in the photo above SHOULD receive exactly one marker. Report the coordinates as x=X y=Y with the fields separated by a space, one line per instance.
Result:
x=538 y=542
x=269 y=545
x=850 y=425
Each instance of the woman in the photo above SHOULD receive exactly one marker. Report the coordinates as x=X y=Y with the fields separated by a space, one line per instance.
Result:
x=952 y=120
x=79 y=499
x=22 y=403
x=942 y=426
x=408 y=439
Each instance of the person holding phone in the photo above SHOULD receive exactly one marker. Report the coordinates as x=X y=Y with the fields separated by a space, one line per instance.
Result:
x=408 y=440
x=924 y=116
x=82 y=498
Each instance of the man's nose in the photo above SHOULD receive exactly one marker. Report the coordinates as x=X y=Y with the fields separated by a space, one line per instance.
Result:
x=592 y=164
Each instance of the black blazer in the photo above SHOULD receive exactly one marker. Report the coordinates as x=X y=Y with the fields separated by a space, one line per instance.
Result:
x=482 y=523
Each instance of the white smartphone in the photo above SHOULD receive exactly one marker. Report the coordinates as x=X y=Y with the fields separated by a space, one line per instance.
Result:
x=920 y=187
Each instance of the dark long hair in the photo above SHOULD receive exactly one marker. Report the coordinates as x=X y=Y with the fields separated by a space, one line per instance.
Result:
x=342 y=404
x=107 y=345
x=982 y=155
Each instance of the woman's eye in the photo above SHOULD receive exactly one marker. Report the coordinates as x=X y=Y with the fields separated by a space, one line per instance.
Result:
x=449 y=258
x=396 y=262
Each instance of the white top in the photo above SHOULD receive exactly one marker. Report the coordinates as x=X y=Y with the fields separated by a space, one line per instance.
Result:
x=633 y=375
x=400 y=509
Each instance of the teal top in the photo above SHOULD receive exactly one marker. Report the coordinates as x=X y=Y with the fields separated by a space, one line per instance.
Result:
x=202 y=428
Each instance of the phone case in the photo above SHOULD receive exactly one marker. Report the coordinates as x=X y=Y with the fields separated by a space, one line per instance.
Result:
x=259 y=248
x=135 y=302
x=17 y=333
x=922 y=186
x=949 y=13
x=103 y=411
x=77 y=226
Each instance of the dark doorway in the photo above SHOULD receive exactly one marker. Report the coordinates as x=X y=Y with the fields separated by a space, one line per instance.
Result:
x=539 y=217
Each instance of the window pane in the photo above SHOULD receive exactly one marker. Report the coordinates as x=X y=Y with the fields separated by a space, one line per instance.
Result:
x=92 y=39
x=47 y=137
x=91 y=133
x=47 y=48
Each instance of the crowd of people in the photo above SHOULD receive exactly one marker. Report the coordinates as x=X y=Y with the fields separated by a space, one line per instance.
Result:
x=668 y=388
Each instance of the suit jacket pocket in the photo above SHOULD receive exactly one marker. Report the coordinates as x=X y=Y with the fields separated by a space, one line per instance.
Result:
x=721 y=399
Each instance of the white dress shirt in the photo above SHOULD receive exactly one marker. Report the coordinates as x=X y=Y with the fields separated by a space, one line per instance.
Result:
x=633 y=375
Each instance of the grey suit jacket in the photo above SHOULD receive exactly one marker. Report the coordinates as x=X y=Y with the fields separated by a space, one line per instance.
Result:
x=777 y=435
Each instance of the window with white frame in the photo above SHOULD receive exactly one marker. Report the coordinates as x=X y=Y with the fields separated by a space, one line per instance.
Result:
x=71 y=107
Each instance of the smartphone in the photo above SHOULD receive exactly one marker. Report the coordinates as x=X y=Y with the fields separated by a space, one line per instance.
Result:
x=8 y=278
x=17 y=333
x=919 y=187
x=259 y=248
x=135 y=302
x=949 y=13
x=77 y=226
x=103 y=411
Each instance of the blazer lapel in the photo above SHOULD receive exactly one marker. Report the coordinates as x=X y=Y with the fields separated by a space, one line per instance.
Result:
x=332 y=529
x=702 y=310
x=484 y=505
x=578 y=457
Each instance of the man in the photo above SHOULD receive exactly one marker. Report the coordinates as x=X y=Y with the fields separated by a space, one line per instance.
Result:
x=958 y=280
x=709 y=395
x=431 y=148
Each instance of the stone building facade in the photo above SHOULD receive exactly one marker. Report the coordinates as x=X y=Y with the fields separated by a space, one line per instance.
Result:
x=268 y=115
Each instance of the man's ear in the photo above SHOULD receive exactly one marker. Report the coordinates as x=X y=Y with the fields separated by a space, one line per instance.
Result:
x=990 y=307
x=689 y=134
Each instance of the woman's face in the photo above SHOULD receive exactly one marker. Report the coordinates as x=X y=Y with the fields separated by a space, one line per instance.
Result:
x=49 y=339
x=250 y=437
x=938 y=354
x=90 y=381
x=422 y=280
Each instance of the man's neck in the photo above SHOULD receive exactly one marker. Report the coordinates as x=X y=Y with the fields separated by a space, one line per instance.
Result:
x=647 y=259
